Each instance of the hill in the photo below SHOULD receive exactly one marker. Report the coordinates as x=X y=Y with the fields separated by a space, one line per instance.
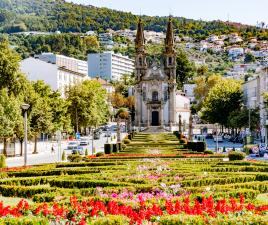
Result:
x=53 y=15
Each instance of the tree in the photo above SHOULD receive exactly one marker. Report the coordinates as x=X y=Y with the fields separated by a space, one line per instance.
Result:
x=9 y=116
x=249 y=58
x=240 y=118
x=117 y=100
x=9 y=67
x=223 y=99
x=87 y=104
x=40 y=114
x=203 y=85
x=185 y=68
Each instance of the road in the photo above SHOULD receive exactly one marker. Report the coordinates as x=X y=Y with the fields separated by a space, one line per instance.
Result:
x=211 y=144
x=46 y=156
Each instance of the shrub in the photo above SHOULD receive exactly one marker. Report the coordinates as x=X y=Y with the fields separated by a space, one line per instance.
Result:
x=124 y=146
x=236 y=155
x=63 y=156
x=74 y=158
x=183 y=141
x=126 y=141
x=86 y=152
x=108 y=148
x=199 y=146
x=208 y=152
x=2 y=161
x=99 y=154
x=115 y=148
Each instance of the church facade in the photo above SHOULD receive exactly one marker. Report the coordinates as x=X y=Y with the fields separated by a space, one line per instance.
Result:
x=156 y=88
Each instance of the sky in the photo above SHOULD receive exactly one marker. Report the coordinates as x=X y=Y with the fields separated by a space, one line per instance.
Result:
x=243 y=11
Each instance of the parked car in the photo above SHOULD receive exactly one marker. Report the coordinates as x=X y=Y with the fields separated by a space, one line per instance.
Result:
x=209 y=136
x=72 y=144
x=78 y=150
x=84 y=141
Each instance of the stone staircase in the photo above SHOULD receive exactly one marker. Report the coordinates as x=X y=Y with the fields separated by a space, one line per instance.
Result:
x=155 y=129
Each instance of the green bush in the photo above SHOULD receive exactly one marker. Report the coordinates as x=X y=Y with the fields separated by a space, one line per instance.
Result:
x=115 y=148
x=2 y=161
x=199 y=146
x=108 y=148
x=63 y=156
x=123 y=146
x=208 y=152
x=126 y=141
x=74 y=158
x=233 y=155
x=99 y=154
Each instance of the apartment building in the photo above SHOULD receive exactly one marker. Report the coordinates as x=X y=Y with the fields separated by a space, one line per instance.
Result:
x=109 y=66
x=59 y=78
x=69 y=63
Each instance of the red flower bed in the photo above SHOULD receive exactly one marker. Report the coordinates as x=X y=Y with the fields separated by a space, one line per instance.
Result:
x=78 y=211
x=14 y=168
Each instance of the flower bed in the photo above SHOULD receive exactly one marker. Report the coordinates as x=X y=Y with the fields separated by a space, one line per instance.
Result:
x=79 y=212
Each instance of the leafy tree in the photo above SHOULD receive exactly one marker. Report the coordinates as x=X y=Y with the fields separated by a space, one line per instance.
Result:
x=40 y=117
x=117 y=100
x=9 y=116
x=185 y=68
x=203 y=85
x=223 y=99
x=87 y=104
x=240 y=119
x=9 y=67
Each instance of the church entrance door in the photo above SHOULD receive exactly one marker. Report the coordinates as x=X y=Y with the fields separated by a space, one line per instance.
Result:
x=155 y=118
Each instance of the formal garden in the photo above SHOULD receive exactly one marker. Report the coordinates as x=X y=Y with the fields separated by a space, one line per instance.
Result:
x=148 y=179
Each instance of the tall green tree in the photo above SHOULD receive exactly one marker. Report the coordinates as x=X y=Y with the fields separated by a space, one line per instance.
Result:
x=87 y=104
x=9 y=116
x=185 y=68
x=223 y=99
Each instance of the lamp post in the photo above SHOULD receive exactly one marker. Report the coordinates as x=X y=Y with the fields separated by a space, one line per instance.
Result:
x=217 y=141
x=25 y=107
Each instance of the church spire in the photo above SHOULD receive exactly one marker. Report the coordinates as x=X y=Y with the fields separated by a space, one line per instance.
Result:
x=169 y=41
x=140 y=40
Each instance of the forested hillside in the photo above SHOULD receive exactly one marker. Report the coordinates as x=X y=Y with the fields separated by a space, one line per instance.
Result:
x=52 y=15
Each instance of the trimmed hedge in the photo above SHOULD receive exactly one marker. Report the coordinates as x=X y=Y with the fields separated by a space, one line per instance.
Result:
x=199 y=146
x=108 y=148
x=29 y=220
x=236 y=155
x=23 y=191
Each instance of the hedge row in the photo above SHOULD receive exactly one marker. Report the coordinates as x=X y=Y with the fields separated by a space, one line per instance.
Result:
x=212 y=181
x=29 y=220
x=85 y=184
x=238 y=169
x=24 y=181
x=87 y=164
x=22 y=191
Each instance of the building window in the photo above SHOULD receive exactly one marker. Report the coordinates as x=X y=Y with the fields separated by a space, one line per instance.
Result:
x=140 y=61
x=155 y=96
x=169 y=61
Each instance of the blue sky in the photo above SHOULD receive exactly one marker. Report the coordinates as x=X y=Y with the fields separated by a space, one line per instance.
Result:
x=245 y=11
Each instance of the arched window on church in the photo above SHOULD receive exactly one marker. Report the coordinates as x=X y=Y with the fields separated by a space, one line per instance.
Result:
x=140 y=61
x=169 y=61
x=155 y=96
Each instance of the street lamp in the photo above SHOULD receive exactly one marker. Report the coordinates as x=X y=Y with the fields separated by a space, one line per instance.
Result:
x=25 y=107
x=217 y=141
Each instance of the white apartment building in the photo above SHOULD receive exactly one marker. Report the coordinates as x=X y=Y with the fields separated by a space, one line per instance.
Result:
x=72 y=64
x=58 y=78
x=253 y=93
x=109 y=66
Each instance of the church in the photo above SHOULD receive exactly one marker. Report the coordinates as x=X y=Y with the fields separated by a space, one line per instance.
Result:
x=158 y=103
